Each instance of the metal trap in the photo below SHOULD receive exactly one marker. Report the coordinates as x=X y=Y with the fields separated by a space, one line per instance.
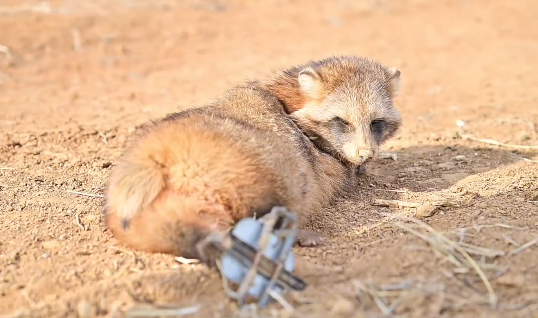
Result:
x=257 y=258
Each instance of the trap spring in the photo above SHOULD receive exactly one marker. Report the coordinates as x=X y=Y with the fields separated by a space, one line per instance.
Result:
x=257 y=257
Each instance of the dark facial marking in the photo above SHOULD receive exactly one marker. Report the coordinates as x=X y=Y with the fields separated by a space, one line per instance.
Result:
x=378 y=127
x=341 y=124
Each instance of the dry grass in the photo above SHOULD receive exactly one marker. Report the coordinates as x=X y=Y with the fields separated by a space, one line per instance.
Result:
x=457 y=253
x=472 y=261
x=86 y=194
x=389 y=298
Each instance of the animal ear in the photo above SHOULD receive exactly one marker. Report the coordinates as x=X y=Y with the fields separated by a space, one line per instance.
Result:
x=394 y=79
x=310 y=83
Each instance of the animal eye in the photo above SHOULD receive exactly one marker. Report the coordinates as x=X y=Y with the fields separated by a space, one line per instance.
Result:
x=378 y=126
x=341 y=122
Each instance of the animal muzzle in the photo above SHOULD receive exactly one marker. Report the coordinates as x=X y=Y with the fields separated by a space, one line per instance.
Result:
x=364 y=155
x=358 y=155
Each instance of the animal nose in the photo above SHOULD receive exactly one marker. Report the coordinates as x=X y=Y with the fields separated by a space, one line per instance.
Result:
x=365 y=154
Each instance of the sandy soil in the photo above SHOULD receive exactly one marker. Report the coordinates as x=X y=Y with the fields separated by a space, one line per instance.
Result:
x=78 y=77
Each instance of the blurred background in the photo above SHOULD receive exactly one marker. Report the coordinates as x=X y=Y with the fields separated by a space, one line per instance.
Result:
x=99 y=61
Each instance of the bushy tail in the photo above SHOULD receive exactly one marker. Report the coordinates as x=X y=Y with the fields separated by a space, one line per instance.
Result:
x=145 y=213
x=133 y=186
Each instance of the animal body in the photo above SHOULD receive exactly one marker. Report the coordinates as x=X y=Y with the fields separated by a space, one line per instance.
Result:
x=293 y=139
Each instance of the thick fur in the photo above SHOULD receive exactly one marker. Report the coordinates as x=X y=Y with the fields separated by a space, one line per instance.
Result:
x=336 y=102
x=203 y=169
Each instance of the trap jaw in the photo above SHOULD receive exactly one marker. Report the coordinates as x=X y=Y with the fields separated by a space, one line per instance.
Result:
x=257 y=257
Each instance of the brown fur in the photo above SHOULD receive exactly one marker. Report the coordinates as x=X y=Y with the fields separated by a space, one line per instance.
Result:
x=354 y=89
x=203 y=169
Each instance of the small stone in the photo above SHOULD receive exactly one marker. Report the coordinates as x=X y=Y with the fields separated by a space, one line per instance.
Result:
x=460 y=158
x=86 y=310
x=388 y=155
x=342 y=307
x=426 y=210
x=52 y=244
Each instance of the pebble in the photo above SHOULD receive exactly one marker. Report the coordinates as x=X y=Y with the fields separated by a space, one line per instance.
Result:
x=460 y=158
x=86 y=310
x=426 y=210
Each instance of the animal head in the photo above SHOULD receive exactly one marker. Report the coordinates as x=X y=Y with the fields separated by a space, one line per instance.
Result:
x=347 y=106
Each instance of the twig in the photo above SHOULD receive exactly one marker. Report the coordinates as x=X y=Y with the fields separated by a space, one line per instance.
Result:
x=390 y=190
x=477 y=250
x=495 y=142
x=119 y=249
x=29 y=299
x=186 y=261
x=405 y=204
x=478 y=228
x=7 y=53
x=77 y=218
x=77 y=41
x=374 y=242
x=510 y=240
x=396 y=203
x=6 y=168
x=161 y=312
x=281 y=300
x=86 y=194
x=375 y=297
x=523 y=247
x=105 y=140
x=522 y=158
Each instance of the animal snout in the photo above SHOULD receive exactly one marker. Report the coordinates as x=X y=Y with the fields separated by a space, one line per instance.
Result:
x=356 y=154
x=365 y=154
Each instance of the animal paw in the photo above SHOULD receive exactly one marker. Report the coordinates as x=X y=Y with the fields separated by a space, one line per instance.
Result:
x=310 y=238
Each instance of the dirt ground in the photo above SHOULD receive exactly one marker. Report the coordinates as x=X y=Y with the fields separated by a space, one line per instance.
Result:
x=78 y=77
